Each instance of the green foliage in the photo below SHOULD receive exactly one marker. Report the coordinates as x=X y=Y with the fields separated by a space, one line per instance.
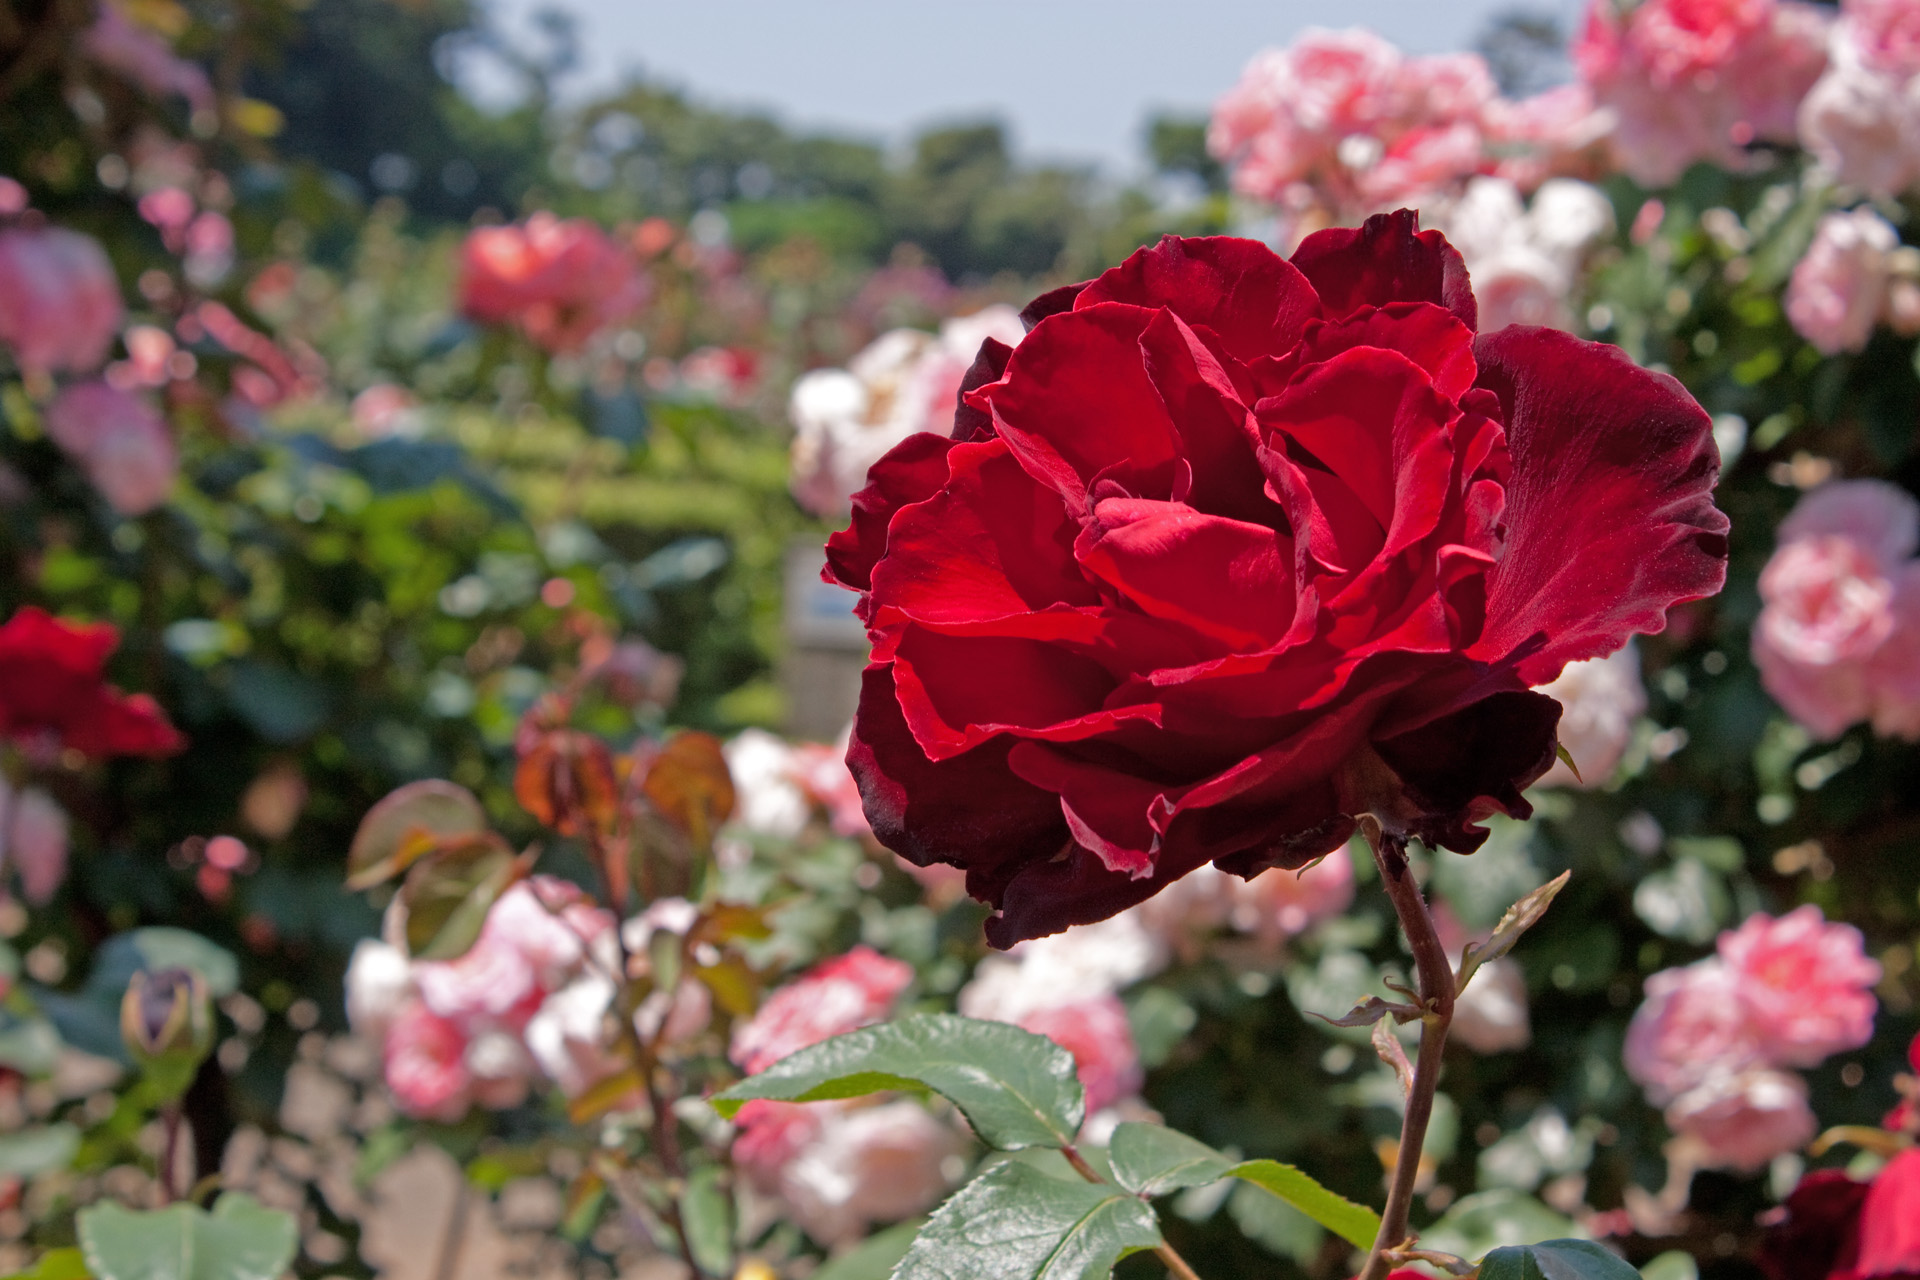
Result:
x=238 y=1240
x=1016 y=1223
x=1015 y=1088
x=1555 y=1260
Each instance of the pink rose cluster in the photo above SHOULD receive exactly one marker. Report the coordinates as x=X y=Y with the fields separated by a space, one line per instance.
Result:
x=838 y=1167
x=779 y=784
x=905 y=381
x=1838 y=636
x=1341 y=124
x=1270 y=908
x=1855 y=275
x=1714 y=1042
x=455 y=1033
x=1693 y=80
x=33 y=841
x=1861 y=121
x=60 y=310
x=559 y=281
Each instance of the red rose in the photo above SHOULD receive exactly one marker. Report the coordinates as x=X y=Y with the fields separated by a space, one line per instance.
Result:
x=1889 y=1230
x=52 y=691
x=1814 y=1236
x=1232 y=549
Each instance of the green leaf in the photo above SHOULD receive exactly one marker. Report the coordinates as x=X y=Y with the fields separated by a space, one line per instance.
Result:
x=446 y=898
x=1671 y=1265
x=389 y=836
x=1354 y=1223
x=1015 y=1088
x=239 y=1240
x=30 y=1046
x=1016 y=1223
x=707 y=1210
x=57 y=1264
x=1555 y=1260
x=1152 y=1160
x=161 y=947
x=35 y=1151
x=873 y=1258
x=1520 y=917
x=1489 y=1219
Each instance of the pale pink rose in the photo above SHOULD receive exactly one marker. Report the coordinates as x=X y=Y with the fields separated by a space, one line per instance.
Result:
x=1600 y=701
x=1292 y=902
x=837 y=996
x=150 y=353
x=13 y=198
x=1863 y=124
x=1695 y=1024
x=1809 y=984
x=1742 y=1122
x=554 y=926
x=560 y=281
x=121 y=445
x=768 y=1135
x=1887 y=32
x=868 y=1165
x=1491 y=1015
x=59 y=299
x=1829 y=608
x=823 y=771
x=1839 y=288
x=383 y=410
x=1558 y=131
x=500 y=1069
x=1350 y=116
x=568 y=1035
x=143 y=57
x=492 y=984
x=379 y=984
x=1893 y=672
x=426 y=1070
x=727 y=374
x=1097 y=1034
x=1074 y=965
x=33 y=841
x=1692 y=80
x=904 y=382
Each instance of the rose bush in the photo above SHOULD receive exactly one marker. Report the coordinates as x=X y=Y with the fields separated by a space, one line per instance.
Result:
x=1232 y=549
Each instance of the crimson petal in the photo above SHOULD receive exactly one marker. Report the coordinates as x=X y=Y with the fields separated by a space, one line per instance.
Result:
x=1609 y=507
x=1387 y=259
x=1252 y=298
x=912 y=471
x=1465 y=767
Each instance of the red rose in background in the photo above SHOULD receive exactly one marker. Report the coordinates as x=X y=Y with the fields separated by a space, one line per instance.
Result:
x=53 y=693
x=1232 y=549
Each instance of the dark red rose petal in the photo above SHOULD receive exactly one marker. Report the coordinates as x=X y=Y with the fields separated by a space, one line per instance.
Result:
x=1816 y=1238
x=969 y=811
x=912 y=471
x=1609 y=508
x=1385 y=260
x=53 y=687
x=1217 y=435
x=1430 y=336
x=1465 y=767
x=990 y=365
x=1252 y=298
x=1050 y=303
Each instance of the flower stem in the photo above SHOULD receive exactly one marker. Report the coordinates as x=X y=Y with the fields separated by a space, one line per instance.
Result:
x=1436 y=994
x=1176 y=1265
x=170 y=1152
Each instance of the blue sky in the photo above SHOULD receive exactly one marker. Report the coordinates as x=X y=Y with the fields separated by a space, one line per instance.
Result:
x=1074 y=78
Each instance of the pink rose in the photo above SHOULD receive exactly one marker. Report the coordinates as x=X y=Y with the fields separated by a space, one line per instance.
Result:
x=1809 y=984
x=1826 y=641
x=1292 y=902
x=1863 y=124
x=823 y=771
x=426 y=1068
x=1098 y=1036
x=867 y=1165
x=1491 y=1015
x=33 y=841
x=560 y=281
x=1692 y=80
x=383 y=410
x=840 y=995
x=1741 y=1122
x=1887 y=32
x=1694 y=1024
x=379 y=985
x=116 y=43
x=121 y=445
x=1839 y=288
x=59 y=299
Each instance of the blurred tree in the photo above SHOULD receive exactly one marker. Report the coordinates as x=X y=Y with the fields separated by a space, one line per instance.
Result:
x=1177 y=145
x=1526 y=49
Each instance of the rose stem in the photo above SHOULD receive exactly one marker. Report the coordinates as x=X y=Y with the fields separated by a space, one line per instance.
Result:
x=170 y=1152
x=1436 y=993
x=1175 y=1264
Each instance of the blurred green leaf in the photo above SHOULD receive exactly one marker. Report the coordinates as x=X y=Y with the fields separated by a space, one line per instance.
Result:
x=239 y=1240
x=1016 y=1223
x=31 y=1152
x=1556 y=1260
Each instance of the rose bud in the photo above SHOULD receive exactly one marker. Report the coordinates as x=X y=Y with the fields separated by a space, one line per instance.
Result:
x=166 y=1021
x=1233 y=550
